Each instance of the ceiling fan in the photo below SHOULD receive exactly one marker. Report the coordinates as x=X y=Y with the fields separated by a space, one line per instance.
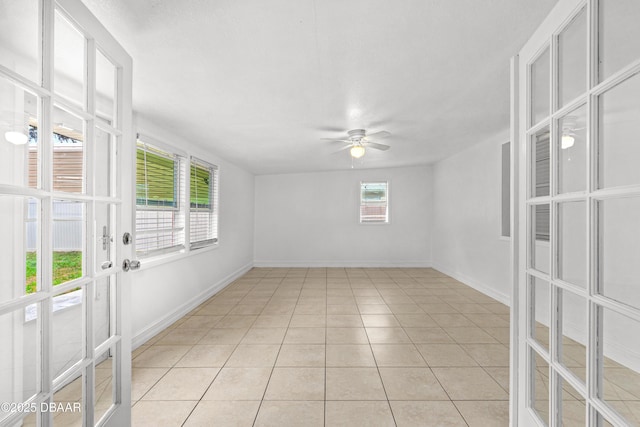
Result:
x=569 y=131
x=357 y=140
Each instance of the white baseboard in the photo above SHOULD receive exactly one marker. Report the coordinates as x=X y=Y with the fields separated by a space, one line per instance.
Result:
x=166 y=321
x=478 y=286
x=342 y=264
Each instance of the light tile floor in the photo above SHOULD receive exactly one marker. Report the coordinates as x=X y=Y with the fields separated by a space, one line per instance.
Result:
x=330 y=347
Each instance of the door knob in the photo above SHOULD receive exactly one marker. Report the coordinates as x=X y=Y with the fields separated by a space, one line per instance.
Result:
x=130 y=265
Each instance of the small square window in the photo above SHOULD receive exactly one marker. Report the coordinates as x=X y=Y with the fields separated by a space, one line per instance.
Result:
x=374 y=202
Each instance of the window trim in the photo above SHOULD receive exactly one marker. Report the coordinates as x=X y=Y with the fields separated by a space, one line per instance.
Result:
x=387 y=182
x=174 y=253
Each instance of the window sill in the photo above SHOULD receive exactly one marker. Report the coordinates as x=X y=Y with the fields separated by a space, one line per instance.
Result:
x=154 y=261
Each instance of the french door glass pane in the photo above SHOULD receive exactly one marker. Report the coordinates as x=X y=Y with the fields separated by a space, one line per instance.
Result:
x=572 y=151
x=619 y=246
x=18 y=142
x=68 y=152
x=104 y=384
x=540 y=163
x=19 y=37
x=105 y=158
x=20 y=260
x=573 y=333
x=102 y=316
x=540 y=84
x=105 y=87
x=70 y=394
x=603 y=421
x=539 y=237
x=540 y=386
x=572 y=59
x=619 y=140
x=69 y=61
x=68 y=347
x=540 y=313
x=68 y=240
x=619 y=35
x=573 y=407
x=621 y=376
x=18 y=358
x=572 y=243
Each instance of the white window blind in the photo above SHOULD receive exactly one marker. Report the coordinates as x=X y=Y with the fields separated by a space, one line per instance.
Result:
x=374 y=202
x=160 y=220
x=203 y=216
x=542 y=180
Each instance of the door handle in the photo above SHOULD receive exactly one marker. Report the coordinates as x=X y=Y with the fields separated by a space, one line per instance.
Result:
x=106 y=265
x=130 y=265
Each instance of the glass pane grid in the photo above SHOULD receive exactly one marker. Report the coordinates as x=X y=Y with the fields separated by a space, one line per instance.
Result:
x=63 y=204
x=540 y=84
x=540 y=313
x=70 y=396
x=538 y=237
x=618 y=231
x=572 y=151
x=618 y=33
x=572 y=409
x=539 y=386
x=572 y=59
x=594 y=235
x=540 y=166
x=69 y=60
x=618 y=127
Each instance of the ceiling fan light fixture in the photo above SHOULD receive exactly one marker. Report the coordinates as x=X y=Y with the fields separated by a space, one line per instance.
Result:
x=357 y=151
x=567 y=141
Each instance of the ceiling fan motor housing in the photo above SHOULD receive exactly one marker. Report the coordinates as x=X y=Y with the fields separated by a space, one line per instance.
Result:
x=356 y=134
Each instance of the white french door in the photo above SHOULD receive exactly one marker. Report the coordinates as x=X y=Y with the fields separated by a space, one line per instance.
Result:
x=65 y=141
x=578 y=348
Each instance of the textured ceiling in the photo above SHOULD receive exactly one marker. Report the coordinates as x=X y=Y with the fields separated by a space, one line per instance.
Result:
x=260 y=82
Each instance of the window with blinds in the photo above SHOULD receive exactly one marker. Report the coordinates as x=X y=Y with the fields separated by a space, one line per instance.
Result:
x=160 y=219
x=543 y=184
x=203 y=198
x=374 y=202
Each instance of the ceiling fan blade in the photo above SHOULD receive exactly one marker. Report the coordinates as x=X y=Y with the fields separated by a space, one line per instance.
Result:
x=379 y=135
x=346 y=147
x=335 y=139
x=330 y=129
x=377 y=146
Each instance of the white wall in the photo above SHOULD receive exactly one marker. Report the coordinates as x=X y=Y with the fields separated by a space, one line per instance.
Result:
x=467 y=219
x=312 y=219
x=164 y=292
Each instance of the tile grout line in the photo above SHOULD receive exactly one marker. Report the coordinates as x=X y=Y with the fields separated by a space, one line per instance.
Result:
x=278 y=354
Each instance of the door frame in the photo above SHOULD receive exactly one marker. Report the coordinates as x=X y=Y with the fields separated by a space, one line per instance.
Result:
x=121 y=130
x=125 y=150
